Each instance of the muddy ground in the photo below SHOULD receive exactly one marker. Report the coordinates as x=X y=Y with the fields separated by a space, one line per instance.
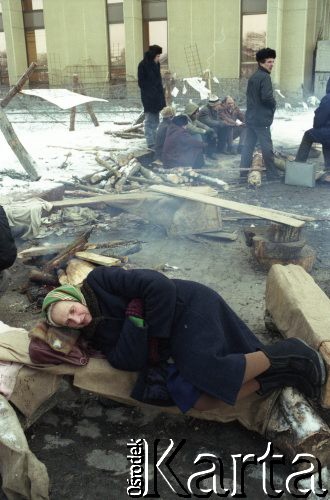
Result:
x=83 y=440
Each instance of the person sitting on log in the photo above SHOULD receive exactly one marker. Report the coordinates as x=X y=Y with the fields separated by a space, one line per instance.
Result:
x=234 y=118
x=200 y=130
x=189 y=347
x=8 y=251
x=167 y=114
x=208 y=115
x=319 y=133
x=180 y=148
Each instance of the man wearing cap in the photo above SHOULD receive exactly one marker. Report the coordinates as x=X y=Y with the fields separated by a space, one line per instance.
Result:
x=208 y=115
x=181 y=149
x=199 y=130
x=259 y=114
x=167 y=114
x=152 y=92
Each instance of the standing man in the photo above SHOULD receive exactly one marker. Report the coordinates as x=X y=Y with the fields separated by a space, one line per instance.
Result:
x=152 y=92
x=261 y=105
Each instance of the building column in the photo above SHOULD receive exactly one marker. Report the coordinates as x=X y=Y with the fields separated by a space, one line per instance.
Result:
x=133 y=37
x=12 y=18
x=274 y=34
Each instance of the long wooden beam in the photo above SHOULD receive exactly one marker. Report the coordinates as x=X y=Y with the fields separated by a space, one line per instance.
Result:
x=263 y=213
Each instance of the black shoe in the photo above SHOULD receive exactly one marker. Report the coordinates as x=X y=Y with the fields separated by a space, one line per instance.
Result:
x=294 y=356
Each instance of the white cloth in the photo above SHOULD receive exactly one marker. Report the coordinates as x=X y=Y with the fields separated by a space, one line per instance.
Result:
x=8 y=375
x=27 y=213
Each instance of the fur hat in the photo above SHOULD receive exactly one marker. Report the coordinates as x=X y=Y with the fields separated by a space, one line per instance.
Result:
x=191 y=108
x=180 y=120
x=155 y=50
x=167 y=112
x=213 y=100
x=266 y=53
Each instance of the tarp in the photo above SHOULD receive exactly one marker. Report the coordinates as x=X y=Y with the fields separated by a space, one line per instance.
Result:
x=62 y=98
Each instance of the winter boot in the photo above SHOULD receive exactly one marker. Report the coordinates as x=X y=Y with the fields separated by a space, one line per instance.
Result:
x=295 y=364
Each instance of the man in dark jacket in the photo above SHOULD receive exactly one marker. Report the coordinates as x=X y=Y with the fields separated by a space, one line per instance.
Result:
x=152 y=92
x=319 y=133
x=259 y=115
x=180 y=148
x=208 y=115
x=8 y=250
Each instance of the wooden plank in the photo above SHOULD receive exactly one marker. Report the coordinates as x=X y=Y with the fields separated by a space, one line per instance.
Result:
x=263 y=213
x=111 y=199
x=98 y=259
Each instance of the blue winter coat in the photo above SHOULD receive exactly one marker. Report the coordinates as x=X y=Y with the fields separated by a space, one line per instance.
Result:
x=207 y=340
x=321 y=126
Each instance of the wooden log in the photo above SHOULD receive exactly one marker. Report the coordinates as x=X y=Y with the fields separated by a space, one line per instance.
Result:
x=139 y=119
x=18 y=149
x=76 y=271
x=68 y=251
x=74 y=109
x=208 y=180
x=299 y=308
x=264 y=213
x=99 y=176
x=97 y=259
x=113 y=169
x=39 y=251
x=281 y=233
x=42 y=277
x=19 y=85
x=149 y=174
x=132 y=168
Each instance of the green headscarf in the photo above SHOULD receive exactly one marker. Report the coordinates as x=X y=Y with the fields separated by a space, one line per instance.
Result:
x=61 y=293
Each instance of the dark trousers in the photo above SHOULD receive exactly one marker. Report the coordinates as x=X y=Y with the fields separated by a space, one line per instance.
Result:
x=305 y=147
x=262 y=136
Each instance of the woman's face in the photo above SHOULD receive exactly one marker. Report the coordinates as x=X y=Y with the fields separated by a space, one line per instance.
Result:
x=71 y=314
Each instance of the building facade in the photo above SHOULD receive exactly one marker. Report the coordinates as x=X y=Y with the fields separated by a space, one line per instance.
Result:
x=104 y=40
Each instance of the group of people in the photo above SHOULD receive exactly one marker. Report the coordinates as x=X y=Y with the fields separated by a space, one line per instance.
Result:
x=184 y=139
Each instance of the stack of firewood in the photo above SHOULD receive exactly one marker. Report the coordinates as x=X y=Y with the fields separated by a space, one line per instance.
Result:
x=59 y=264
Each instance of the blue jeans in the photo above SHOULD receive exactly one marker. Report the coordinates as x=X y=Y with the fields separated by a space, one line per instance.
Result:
x=151 y=122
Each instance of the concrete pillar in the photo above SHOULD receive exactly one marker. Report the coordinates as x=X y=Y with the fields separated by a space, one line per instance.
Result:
x=12 y=18
x=274 y=35
x=133 y=37
x=214 y=27
x=76 y=35
x=294 y=27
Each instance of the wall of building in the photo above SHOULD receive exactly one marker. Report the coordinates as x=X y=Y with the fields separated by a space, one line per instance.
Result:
x=211 y=26
x=202 y=35
x=76 y=36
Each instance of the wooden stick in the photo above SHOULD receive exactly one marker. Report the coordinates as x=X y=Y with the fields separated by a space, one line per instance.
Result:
x=42 y=277
x=68 y=251
x=19 y=85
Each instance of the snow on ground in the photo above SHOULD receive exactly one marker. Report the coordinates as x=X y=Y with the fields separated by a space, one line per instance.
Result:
x=50 y=143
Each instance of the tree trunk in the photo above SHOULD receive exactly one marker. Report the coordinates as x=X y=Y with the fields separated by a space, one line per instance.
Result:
x=23 y=156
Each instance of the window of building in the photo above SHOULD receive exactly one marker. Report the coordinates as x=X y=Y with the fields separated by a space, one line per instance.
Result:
x=254 y=27
x=154 y=13
x=35 y=39
x=116 y=26
x=3 y=60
